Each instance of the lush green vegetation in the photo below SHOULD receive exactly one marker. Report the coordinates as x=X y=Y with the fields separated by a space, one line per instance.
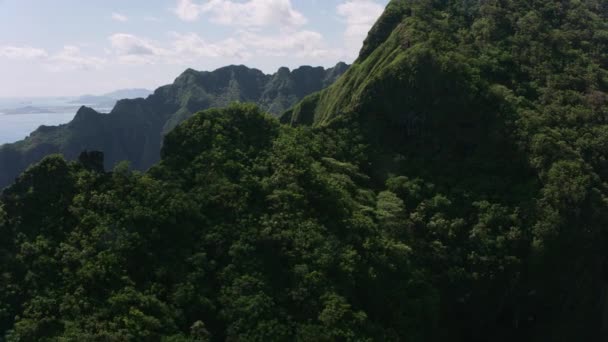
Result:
x=135 y=128
x=452 y=185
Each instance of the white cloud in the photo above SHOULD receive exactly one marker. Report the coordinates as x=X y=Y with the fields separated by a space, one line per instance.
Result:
x=188 y=11
x=282 y=35
x=251 y=39
x=152 y=19
x=128 y=44
x=190 y=45
x=23 y=52
x=251 y=13
x=360 y=16
x=119 y=17
x=71 y=58
x=135 y=50
x=308 y=44
x=184 y=48
x=68 y=58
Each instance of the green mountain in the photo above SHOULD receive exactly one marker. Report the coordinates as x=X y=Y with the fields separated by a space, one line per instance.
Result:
x=133 y=130
x=501 y=105
x=450 y=186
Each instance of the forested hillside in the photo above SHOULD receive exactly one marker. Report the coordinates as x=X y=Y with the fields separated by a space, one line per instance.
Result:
x=134 y=129
x=450 y=186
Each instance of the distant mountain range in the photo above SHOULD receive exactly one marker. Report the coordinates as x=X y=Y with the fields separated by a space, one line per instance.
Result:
x=49 y=105
x=134 y=129
x=109 y=99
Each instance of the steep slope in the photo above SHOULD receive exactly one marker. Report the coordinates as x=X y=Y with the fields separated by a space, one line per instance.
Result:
x=503 y=101
x=133 y=130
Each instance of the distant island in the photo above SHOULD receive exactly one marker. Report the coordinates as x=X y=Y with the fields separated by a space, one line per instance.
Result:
x=27 y=110
x=69 y=104
x=110 y=99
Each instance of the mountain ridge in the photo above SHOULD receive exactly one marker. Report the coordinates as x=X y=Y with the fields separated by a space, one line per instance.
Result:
x=134 y=128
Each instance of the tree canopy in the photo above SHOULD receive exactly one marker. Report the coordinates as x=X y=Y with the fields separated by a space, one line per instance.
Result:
x=452 y=185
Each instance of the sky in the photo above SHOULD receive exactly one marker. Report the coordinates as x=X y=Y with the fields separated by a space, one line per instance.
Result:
x=75 y=47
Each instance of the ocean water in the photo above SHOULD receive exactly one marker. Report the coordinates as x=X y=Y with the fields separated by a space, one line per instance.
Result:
x=14 y=127
x=18 y=126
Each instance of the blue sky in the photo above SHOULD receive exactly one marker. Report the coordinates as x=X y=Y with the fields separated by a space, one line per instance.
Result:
x=72 y=47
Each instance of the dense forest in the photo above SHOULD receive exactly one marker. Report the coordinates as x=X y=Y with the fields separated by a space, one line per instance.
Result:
x=450 y=186
x=135 y=128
